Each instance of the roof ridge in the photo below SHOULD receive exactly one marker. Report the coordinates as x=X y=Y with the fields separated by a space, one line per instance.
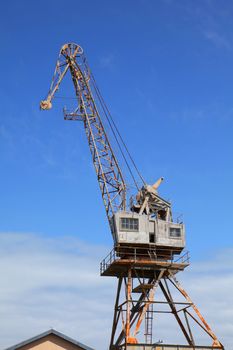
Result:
x=44 y=334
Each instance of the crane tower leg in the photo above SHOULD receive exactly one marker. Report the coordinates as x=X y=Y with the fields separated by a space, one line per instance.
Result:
x=137 y=303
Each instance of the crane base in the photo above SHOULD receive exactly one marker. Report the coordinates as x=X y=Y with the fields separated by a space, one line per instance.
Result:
x=164 y=347
x=138 y=300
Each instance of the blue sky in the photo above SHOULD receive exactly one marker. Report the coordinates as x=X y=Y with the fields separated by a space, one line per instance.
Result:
x=165 y=70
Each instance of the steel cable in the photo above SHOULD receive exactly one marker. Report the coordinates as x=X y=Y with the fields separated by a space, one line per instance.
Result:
x=108 y=115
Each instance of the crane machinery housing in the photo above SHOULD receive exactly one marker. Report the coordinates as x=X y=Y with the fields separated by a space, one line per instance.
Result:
x=148 y=242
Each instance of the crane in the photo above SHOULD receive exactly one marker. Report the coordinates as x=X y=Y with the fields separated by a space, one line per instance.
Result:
x=146 y=238
x=150 y=214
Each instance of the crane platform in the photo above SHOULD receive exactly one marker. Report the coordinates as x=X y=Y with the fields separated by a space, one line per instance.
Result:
x=143 y=263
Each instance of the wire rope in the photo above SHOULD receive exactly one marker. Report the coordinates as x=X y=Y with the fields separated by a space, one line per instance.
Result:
x=118 y=143
x=108 y=115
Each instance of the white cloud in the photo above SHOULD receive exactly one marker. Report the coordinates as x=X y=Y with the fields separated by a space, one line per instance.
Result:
x=55 y=282
x=218 y=40
x=48 y=283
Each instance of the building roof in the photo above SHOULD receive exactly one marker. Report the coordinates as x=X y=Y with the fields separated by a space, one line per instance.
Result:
x=42 y=335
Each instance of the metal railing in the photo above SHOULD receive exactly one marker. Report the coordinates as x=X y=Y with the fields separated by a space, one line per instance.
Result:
x=136 y=254
x=166 y=347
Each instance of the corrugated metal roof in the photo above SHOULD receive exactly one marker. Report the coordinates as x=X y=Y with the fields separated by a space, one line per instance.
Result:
x=42 y=335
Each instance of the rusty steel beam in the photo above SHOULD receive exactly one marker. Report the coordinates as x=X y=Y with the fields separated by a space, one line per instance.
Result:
x=208 y=329
x=116 y=312
x=133 y=315
x=173 y=308
x=188 y=326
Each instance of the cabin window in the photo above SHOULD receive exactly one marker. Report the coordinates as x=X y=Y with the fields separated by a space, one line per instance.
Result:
x=175 y=232
x=128 y=224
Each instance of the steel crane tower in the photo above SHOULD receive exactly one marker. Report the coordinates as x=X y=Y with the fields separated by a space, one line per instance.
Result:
x=148 y=243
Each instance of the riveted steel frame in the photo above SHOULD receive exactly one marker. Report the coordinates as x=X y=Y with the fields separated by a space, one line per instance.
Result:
x=131 y=311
